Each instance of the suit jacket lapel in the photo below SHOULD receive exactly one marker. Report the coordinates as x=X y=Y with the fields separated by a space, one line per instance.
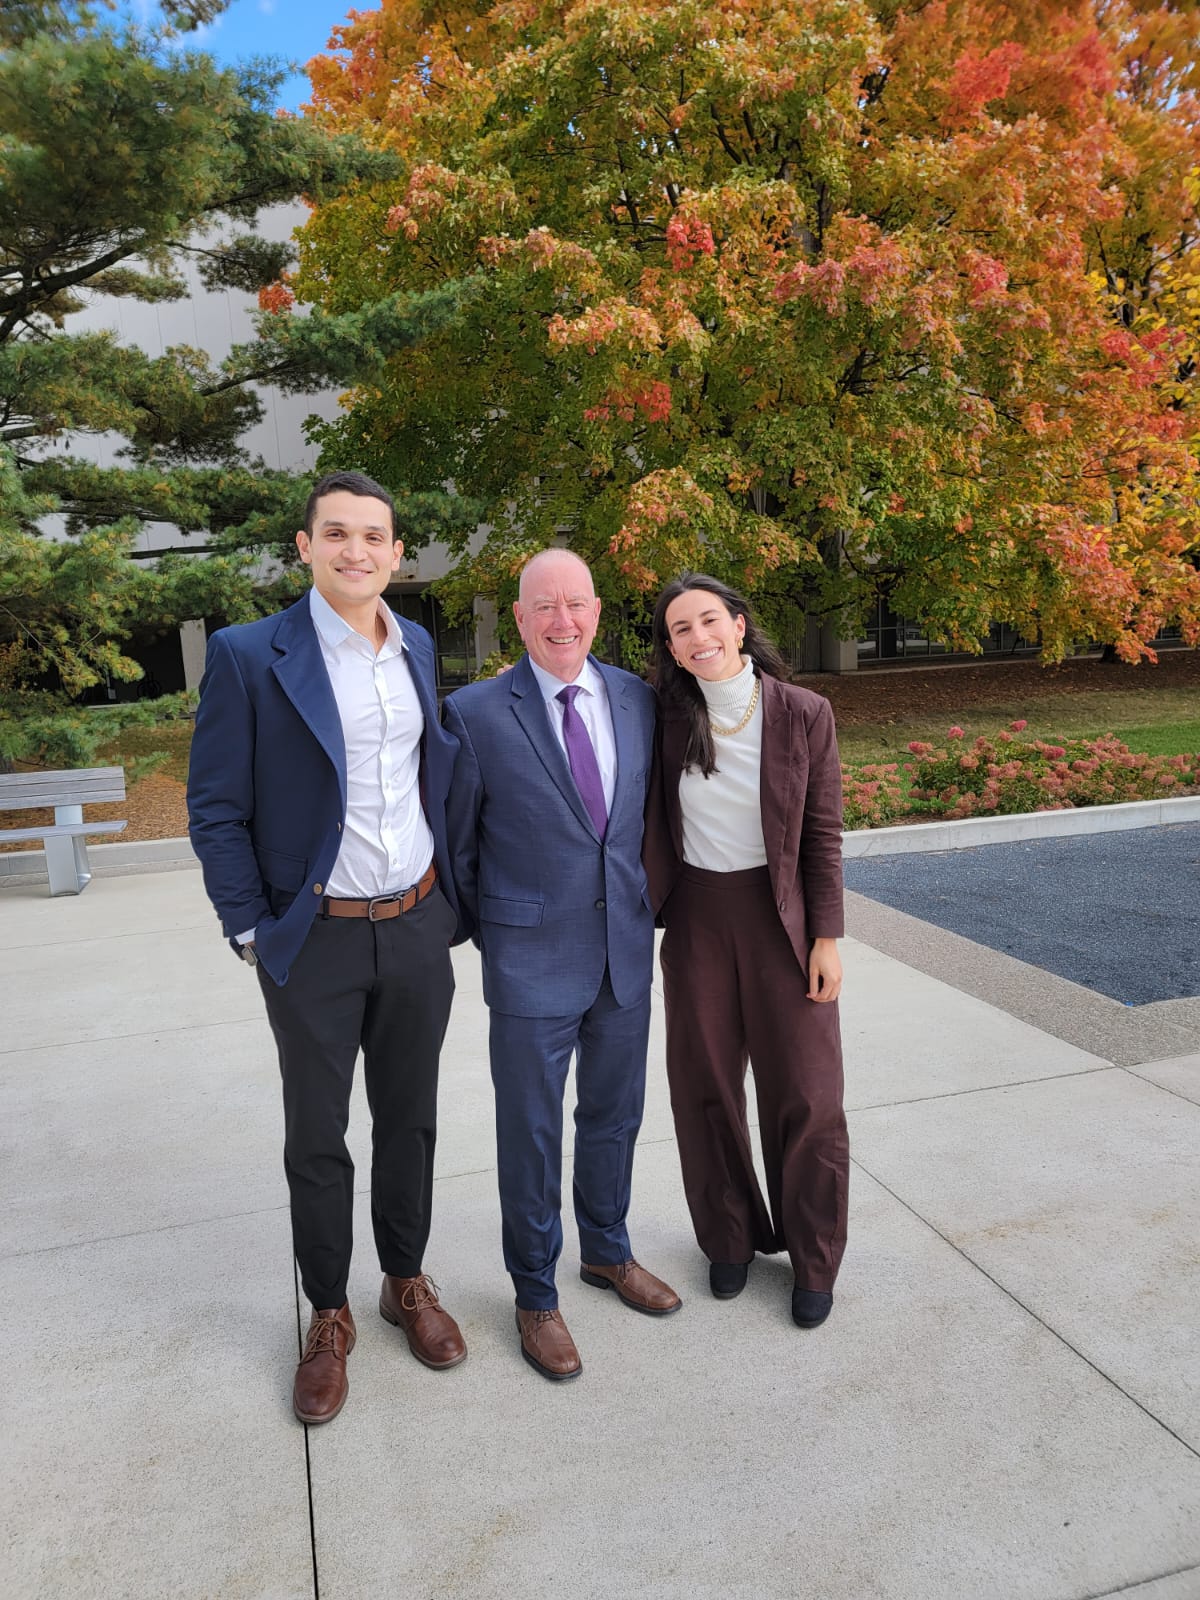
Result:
x=775 y=781
x=529 y=708
x=301 y=672
x=420 y=661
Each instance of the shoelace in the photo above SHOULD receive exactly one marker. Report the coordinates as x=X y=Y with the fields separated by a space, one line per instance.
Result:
x=541 y=1316
x=320 y=1339
x=419 y=1295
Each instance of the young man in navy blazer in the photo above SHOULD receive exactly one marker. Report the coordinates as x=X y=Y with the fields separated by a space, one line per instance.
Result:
x=545 y=822
x=316 y=801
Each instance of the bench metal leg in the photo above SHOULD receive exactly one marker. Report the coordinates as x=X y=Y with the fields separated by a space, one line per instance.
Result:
x=67 y=862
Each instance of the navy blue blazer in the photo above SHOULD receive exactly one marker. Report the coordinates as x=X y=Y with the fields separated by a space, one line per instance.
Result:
x=267 y=779
x=548 y=902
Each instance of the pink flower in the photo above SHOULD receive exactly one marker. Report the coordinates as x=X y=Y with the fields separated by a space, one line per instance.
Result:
x=955 y=732
x=1019 y=726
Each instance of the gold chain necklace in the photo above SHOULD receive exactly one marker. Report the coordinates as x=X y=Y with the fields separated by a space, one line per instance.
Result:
x=726 y=733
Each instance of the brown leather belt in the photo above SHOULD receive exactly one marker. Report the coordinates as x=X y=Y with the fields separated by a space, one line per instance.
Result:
x=384 y=906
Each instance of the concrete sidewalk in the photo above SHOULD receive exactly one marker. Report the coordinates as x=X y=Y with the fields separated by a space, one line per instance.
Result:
x=1004 y=1405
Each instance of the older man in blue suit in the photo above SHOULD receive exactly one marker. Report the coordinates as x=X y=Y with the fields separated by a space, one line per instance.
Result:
x=316 y=799
x=545 y=828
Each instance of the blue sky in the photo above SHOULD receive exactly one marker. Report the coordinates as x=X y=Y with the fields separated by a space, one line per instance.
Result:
x=290 y=30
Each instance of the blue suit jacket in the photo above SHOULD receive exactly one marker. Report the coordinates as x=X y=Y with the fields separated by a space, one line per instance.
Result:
x=267 y=780
x=548 y=903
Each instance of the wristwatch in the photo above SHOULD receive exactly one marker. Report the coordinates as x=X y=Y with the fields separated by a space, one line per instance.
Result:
x=250 y=955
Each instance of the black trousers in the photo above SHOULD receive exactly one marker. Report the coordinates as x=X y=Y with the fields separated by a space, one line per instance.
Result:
x=384 y=987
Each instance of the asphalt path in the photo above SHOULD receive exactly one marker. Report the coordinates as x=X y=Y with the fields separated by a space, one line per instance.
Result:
x=1116 y=912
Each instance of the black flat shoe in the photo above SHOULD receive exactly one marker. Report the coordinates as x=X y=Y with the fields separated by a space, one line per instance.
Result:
x=727 y=1278
x=810 y=1307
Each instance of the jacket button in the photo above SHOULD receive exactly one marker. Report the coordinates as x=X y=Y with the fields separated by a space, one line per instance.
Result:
x=339 y=827
x=318 y=888
x=783 y=905
x=599 y=905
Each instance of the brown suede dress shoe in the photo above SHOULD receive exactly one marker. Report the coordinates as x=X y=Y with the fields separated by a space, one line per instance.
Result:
x=547 y=1346
x=320 y=1390
x=432 y=1333
x=637 y=1287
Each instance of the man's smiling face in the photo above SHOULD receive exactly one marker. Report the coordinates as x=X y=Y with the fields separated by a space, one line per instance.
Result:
x=558 y=613
x=351 y=550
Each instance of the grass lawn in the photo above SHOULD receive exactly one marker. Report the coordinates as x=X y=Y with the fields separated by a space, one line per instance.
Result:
x=1160 y=723
x=1154 y=722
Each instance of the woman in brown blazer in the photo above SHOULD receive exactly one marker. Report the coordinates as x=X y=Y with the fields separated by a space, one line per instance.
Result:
x=743 y=853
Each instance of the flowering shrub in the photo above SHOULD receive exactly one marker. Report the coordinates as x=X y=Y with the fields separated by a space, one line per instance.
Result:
x=871 y=796
x=1006 y=774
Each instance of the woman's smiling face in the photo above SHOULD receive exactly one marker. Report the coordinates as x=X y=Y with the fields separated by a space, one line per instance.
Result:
x=705 y=640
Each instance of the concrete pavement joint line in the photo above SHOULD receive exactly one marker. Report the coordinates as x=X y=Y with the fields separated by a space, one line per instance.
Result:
x=984 y=1088
x=106 y=1038
x=1142 y=1078
x=312 y=1523
x=1029 y=1312
x=1140 y=1583
x=57 y=945
x=642 y=1144
x=139 y=1233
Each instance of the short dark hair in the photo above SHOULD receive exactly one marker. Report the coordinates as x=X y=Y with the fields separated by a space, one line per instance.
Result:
x=677 y=688
x=347 y=483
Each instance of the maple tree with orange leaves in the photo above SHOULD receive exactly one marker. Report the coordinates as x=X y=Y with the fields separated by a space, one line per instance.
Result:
x=837 y=300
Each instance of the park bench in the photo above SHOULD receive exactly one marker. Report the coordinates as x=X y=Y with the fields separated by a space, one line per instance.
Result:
x=62 y=840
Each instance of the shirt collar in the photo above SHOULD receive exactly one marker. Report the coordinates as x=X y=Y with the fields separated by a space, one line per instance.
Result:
x=335 y=630
x=589 y=680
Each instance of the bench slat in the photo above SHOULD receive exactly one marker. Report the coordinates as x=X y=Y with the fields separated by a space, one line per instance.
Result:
x=22 y=791
x=59 y=830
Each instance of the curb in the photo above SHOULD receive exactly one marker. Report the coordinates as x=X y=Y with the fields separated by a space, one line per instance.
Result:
x=134 y=855
x=968 y=832
x=965 y=834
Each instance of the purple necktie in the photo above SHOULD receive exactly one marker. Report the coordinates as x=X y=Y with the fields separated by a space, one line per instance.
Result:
x=584 y=767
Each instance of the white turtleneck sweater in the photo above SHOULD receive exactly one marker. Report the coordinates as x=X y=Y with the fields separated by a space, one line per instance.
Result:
x=722 y=814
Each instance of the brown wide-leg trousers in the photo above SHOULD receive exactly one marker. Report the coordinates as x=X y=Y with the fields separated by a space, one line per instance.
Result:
x=735 y=992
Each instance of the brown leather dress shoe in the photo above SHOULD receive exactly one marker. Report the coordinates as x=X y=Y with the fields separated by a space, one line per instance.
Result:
x=320 y=1389
x=432 y=1333
x=547 y=1346
x=637 y=1287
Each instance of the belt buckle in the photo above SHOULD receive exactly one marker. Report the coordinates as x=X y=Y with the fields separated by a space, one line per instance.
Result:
x=379 y=900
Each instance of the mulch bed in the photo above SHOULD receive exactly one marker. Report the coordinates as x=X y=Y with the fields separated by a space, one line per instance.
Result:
x=156 y=808
x=892 y=693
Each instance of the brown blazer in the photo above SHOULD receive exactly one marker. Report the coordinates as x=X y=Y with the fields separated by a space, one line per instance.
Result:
x=800 y=791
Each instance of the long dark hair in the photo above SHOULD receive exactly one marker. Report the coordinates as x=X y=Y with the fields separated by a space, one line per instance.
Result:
x=677 y=688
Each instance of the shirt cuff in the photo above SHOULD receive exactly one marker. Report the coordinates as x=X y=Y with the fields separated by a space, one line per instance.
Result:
x=247 y=938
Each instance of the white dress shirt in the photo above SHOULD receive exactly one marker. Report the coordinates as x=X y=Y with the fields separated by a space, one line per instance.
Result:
x=592 y=705
x=386 y=842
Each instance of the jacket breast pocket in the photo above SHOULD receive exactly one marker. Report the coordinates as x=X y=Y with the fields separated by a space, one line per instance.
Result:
x=510 y=913
x=282 y=871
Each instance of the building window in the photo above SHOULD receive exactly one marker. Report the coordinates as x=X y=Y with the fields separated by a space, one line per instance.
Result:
x=890 y=637
x=453 y=644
